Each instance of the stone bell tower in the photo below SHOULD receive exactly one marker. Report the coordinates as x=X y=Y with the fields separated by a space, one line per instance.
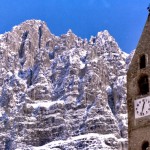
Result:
x=138 y=94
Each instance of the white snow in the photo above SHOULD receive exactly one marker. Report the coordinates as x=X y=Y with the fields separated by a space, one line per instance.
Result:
x=95 y=60
x=89 y=136
x=3 y=45
x=74 y=59
x=15 y=27
x=1 y=35
x=82 y=53
x=108 y=89
x=9 y=74
x=82 y=65
x=43 y=103
x=121 y=80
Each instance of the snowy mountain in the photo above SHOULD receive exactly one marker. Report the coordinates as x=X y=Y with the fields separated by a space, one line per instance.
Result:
x=61 y=93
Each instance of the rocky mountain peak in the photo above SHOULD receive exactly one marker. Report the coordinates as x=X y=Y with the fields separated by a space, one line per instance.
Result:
x=61 y=92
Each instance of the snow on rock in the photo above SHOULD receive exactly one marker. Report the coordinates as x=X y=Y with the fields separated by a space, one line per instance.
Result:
x=92 y=140
x=45 y=104
x=61 y=92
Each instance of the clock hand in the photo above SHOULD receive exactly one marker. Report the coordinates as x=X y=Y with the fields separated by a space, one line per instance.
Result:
x=143 y=106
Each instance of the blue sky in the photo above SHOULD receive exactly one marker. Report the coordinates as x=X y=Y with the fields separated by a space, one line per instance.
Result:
x=123 y=19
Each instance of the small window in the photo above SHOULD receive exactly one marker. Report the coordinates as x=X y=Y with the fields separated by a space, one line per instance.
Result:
x=142 y=62
x=143 y=85
x=145 y=145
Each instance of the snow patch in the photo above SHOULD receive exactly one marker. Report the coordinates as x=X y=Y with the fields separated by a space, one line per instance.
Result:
x=89 y=136
x=45 y=104
x=108 y=89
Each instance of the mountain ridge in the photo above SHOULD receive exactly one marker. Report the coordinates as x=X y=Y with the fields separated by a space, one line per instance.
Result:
x=60 y=87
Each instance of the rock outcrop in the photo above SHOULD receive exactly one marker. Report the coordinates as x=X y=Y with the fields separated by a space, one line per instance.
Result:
x=61 y=92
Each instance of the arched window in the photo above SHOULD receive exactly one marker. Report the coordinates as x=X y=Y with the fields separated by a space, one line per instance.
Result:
x=143 y=85
x=142 y=62
x=145 y=145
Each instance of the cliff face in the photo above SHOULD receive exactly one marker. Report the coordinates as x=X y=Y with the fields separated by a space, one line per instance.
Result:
x=61 y=92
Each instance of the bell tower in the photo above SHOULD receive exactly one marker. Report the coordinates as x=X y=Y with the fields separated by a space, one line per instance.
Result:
x=138 y=93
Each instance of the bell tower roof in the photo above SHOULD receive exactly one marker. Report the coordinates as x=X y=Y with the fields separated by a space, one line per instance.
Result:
x=143 y=46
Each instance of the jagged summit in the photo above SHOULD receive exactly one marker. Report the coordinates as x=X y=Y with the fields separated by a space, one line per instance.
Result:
x=61 y=88
x=32 y=22
x=103 y=32
x=29 y=23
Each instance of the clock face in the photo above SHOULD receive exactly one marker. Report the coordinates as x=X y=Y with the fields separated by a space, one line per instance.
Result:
x=142 y=107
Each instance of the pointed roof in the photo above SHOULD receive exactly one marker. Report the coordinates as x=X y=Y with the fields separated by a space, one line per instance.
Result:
x=143 y=47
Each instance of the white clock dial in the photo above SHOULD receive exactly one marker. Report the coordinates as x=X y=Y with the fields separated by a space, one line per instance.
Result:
x=142 y=107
